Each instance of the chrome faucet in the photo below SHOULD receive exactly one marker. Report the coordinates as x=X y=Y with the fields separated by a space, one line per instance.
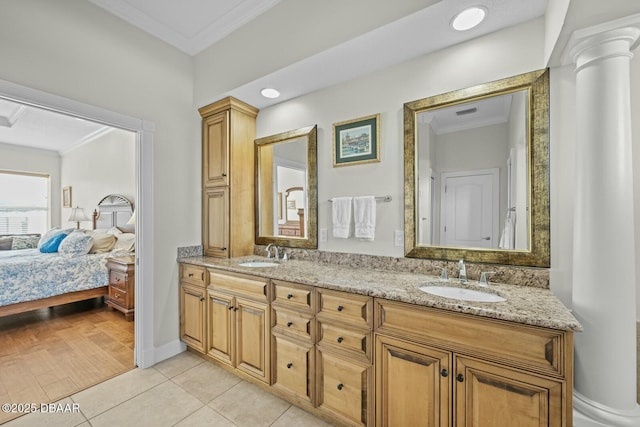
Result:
x=483 y=278
x=276 y=251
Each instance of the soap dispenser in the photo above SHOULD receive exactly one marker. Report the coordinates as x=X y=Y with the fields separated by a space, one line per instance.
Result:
x=462 y=271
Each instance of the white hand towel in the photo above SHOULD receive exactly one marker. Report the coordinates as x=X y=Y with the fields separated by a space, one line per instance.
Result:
x=341 y=208
x=364 y=214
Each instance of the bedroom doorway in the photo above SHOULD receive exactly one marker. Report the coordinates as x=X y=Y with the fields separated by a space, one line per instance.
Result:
x=144 y=132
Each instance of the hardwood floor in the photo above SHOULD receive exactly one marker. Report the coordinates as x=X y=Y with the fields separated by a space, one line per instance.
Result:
x=51 y=353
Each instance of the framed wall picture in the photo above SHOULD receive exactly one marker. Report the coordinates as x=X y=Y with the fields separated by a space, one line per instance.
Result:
x=356 y=141
x=66 y=197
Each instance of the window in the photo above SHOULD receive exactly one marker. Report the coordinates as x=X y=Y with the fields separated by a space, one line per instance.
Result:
x=24 y=203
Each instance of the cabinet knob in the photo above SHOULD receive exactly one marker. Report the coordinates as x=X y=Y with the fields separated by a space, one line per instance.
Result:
x=289 y=296
x=230 y=308
x=190 y=274
x=201 y=299
x=224 y=174
x=340 y=308
x=289 y=324
x=340 y=386
x=289 y=365
x=223 y=249
x=235 y=308
x=460 y=378
x=444 y=373
x=340 y=339
x=117 y=295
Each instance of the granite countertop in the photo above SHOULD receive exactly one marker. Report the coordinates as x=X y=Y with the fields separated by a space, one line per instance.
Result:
x=526 y=305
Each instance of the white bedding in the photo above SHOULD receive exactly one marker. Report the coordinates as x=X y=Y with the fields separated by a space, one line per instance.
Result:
x=28 y=274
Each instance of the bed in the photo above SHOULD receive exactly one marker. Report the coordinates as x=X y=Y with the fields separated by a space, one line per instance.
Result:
x=30 y=280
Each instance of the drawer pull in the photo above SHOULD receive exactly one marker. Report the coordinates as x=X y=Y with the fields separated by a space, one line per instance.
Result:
x=117 y=295
x=117 y=279
x=190 y=274
x=289 y=365
x=444 y=373
x=460 y=378
x=340 y=386
x=289 y=324
x=340 y=339
x=223 y=249
x=230 y=308
x=289 y=296
x=340 y=308
x=223 y=174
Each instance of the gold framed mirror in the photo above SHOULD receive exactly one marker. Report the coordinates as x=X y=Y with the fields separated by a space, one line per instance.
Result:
x=286 y=189
x=477 y=173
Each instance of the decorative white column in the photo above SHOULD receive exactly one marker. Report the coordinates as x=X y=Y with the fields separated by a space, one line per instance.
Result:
x=604 y=259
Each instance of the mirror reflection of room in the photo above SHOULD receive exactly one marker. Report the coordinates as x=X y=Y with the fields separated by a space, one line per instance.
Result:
x=288 y=183
x=472 y=174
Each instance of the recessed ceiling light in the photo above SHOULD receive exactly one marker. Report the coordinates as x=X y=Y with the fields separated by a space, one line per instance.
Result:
x=469 y=18
x=270 y=93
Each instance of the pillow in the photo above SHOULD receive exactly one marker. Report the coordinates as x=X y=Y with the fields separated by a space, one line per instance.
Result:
x=53 y=232
x=115 y=231
x=102 y=243
x=76 y=243
x=125 y=242
x=24 y=242
x=51 y=245
x=5 y=243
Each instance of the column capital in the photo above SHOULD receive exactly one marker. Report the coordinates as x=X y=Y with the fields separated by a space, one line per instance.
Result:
x=612 y=38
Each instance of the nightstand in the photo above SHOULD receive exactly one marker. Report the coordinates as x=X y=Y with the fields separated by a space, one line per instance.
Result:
x=122 y=284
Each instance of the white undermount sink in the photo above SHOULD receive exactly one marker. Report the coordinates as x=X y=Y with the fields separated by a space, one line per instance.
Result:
x=462 y=294
x=258 y=264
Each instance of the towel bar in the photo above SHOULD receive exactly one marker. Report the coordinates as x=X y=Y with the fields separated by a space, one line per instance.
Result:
x=378 y=198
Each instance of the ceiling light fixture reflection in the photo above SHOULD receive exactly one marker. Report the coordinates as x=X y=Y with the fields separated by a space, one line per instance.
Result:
x=269 y=92
x=469 y=18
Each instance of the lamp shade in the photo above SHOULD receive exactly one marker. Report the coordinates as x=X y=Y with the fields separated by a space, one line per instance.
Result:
x=132 y=220
x=77 y=215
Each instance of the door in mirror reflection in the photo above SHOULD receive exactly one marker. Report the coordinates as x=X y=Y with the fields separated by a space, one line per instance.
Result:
x=472 y=174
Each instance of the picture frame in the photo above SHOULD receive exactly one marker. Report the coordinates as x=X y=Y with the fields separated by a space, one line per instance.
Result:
x=66 y=197
x=356 y=141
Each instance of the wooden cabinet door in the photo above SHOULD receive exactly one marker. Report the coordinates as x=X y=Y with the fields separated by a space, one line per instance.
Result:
x=293 y=367
x=192 y=317
x=344 y=388
x=489 y=395
x=221 y=326
x=253 y=338
x=215 y=226
x=412 y=384
x=215 y=150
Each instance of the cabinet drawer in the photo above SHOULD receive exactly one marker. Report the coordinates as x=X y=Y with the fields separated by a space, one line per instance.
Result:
x=119 y=296
x=253 y=287
x=345 y=388
x=294 y=323
x=294 y=367
x=355 y=342
x=118 y=280
x=354 y=310
x=522 y=346
x=291 y=295
x=192 y=274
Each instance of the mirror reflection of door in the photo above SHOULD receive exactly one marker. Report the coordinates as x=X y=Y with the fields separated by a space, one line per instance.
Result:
x=469 y=200
x=290 y=183
x=489 y=133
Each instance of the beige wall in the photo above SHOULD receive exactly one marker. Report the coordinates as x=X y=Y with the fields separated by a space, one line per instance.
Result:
x=106 y=165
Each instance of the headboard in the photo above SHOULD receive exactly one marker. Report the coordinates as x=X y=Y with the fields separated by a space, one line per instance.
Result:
x=114 y=210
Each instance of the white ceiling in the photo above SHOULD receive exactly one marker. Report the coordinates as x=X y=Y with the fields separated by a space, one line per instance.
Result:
x=193 y=25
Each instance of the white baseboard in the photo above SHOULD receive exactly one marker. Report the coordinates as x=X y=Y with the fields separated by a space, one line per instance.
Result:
x=593 y=414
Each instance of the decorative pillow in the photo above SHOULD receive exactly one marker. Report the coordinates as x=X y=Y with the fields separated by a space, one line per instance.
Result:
x=76 y=243
x=53 y=232
x=51 y=245
x=126 y=242
x=5 y=243
x=102 y=243
x=24 y=242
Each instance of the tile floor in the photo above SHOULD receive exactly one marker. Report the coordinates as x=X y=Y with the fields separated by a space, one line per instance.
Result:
x=182 y=391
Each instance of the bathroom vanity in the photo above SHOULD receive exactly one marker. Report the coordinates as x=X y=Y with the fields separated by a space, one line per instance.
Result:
x=373 y=349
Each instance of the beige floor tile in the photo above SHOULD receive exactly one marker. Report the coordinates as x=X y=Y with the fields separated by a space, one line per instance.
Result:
x=178 y=364
x=164 y=405
x=296 y=417
x=205 y=417
x=248 y=405
x=64 y=414
x=206 y=381
x=106 y=395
